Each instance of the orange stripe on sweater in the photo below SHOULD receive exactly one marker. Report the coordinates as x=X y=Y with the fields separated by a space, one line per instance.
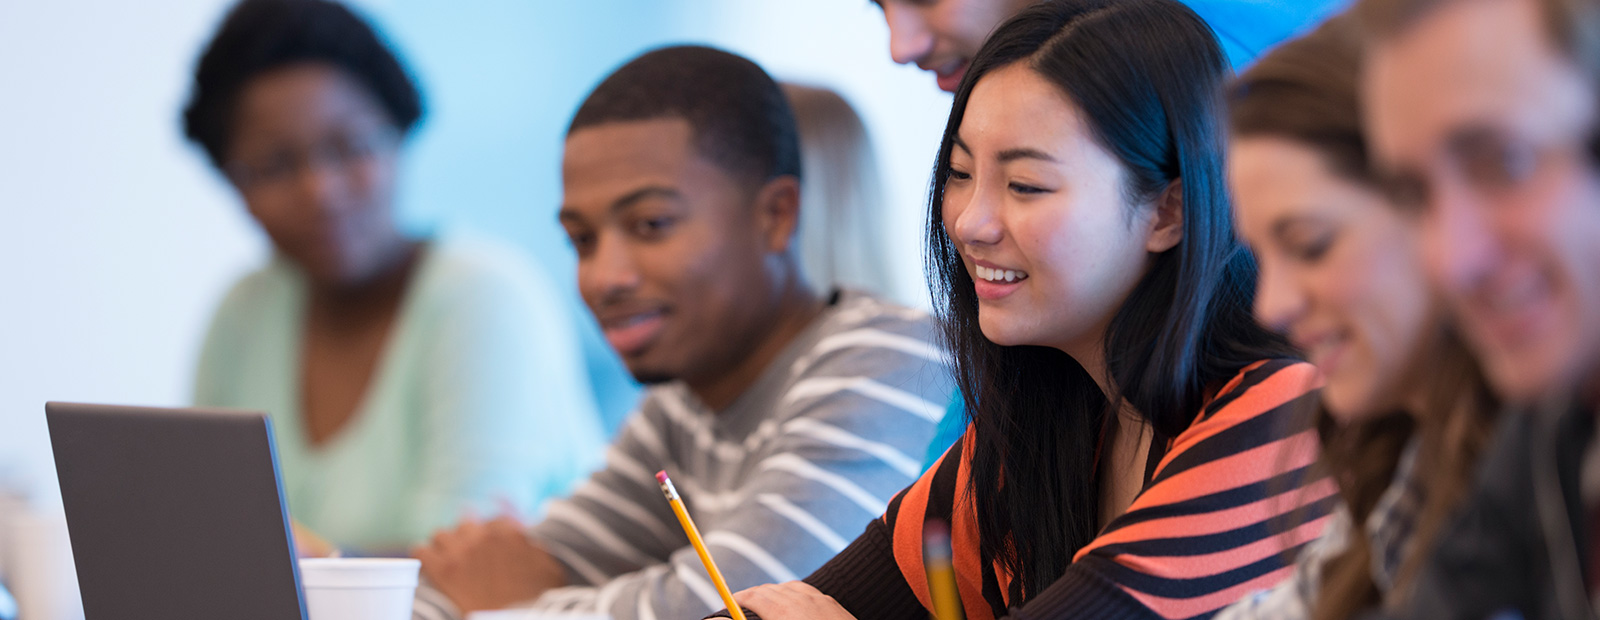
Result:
x=1282 y=387
x=1197 y=566
x=908 y=535
x=1238 y=377
x=967 y=559
x=1281 y=505
x=1175 y=608
x=1236 y=470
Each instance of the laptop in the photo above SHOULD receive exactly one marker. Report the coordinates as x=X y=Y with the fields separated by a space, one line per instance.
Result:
x=175 y=513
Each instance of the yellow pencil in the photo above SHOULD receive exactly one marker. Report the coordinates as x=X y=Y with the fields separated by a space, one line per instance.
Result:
x=699 y=545
x=936 y=558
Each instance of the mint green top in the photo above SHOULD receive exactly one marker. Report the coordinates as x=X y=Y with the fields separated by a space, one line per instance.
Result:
x=479 y=395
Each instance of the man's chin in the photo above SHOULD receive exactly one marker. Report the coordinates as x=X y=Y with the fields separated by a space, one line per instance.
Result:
x=647 y=373
x=652 y=377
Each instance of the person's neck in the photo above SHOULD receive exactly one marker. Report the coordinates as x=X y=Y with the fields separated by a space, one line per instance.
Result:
x=1124 y=457
x=797 y=307
x=379 y=290
x=1420 y=398
x=1591 y=392
x=1091 y=355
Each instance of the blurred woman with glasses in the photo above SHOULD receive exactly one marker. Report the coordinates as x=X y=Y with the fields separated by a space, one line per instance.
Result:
x=407 y=376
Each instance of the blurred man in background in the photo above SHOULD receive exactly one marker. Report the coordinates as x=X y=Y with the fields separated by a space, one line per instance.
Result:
x=1482 y=114
x=942 y=36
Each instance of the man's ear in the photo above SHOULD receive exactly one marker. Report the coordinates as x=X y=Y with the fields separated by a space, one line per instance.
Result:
x=1166 y=228
x=778 y=212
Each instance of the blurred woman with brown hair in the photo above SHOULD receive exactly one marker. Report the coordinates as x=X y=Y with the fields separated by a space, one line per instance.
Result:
x=1405 y=410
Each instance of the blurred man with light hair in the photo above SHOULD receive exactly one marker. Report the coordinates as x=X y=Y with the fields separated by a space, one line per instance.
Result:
x=1482 y=116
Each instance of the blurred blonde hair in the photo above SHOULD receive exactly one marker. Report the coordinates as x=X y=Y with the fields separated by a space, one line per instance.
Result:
x=842 y=236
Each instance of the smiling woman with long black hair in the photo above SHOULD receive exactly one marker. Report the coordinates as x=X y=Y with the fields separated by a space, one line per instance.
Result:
x=1139 y=444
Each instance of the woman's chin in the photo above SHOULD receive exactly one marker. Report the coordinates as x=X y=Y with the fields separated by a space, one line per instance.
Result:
x=1002 y=332
x=1349 y=403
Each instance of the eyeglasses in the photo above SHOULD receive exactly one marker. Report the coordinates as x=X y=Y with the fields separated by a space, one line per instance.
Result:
x=1489 y=163
x=338 y=151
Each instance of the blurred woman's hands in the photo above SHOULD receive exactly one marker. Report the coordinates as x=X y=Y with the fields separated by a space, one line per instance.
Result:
x=483 y=565
x=307 y=544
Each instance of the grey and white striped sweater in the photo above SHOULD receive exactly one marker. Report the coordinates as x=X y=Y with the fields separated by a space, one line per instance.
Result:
x=778 y=482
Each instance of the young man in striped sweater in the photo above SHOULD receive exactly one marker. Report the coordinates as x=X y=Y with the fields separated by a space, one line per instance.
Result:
x=785 y=420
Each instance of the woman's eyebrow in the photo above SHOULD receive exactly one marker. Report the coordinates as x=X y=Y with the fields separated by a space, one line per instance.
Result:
x=1288 y=223
x=1010 y=155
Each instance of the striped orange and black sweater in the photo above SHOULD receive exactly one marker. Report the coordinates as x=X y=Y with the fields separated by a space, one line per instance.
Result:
x=1223 y=514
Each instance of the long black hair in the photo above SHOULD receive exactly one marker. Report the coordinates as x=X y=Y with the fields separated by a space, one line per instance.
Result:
x=1147 y=77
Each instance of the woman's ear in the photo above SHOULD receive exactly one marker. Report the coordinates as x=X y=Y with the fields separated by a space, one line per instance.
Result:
x=1166 y=228
x=778 y=206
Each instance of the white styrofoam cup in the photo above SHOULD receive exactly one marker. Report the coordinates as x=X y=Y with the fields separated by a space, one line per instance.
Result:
x=359 y=588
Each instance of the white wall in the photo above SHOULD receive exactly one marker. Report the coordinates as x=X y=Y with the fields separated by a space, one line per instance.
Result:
x=114 y=240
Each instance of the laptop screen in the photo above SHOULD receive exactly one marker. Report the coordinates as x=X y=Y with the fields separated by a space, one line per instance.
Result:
x=175 y=513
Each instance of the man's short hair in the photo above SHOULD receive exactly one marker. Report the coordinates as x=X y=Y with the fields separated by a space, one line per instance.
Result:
x=738 y=116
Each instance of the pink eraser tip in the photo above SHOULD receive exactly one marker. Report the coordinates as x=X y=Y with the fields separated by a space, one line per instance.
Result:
x=661 y=476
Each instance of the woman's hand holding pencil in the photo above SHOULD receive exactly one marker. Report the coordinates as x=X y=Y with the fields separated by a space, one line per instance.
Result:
x=799 y=600
x=795 y=600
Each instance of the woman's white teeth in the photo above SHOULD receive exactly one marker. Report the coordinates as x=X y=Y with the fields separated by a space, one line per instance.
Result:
x=1000 y=275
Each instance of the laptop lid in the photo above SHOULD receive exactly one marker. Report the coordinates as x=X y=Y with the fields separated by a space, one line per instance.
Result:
x=175 y=513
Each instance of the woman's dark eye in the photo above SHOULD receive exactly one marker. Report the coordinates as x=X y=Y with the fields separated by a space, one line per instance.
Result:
x=957 y=175
x=1315 y=250
x=1022 y=188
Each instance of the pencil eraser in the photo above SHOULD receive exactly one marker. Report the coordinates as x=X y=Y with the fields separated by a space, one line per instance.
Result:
x=661 y=476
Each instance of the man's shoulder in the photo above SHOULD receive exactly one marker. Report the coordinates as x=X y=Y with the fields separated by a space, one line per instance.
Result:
x=863 y=334
x=1522 y=433
x=853 y=310
x=666 y=406
x=869 y=356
